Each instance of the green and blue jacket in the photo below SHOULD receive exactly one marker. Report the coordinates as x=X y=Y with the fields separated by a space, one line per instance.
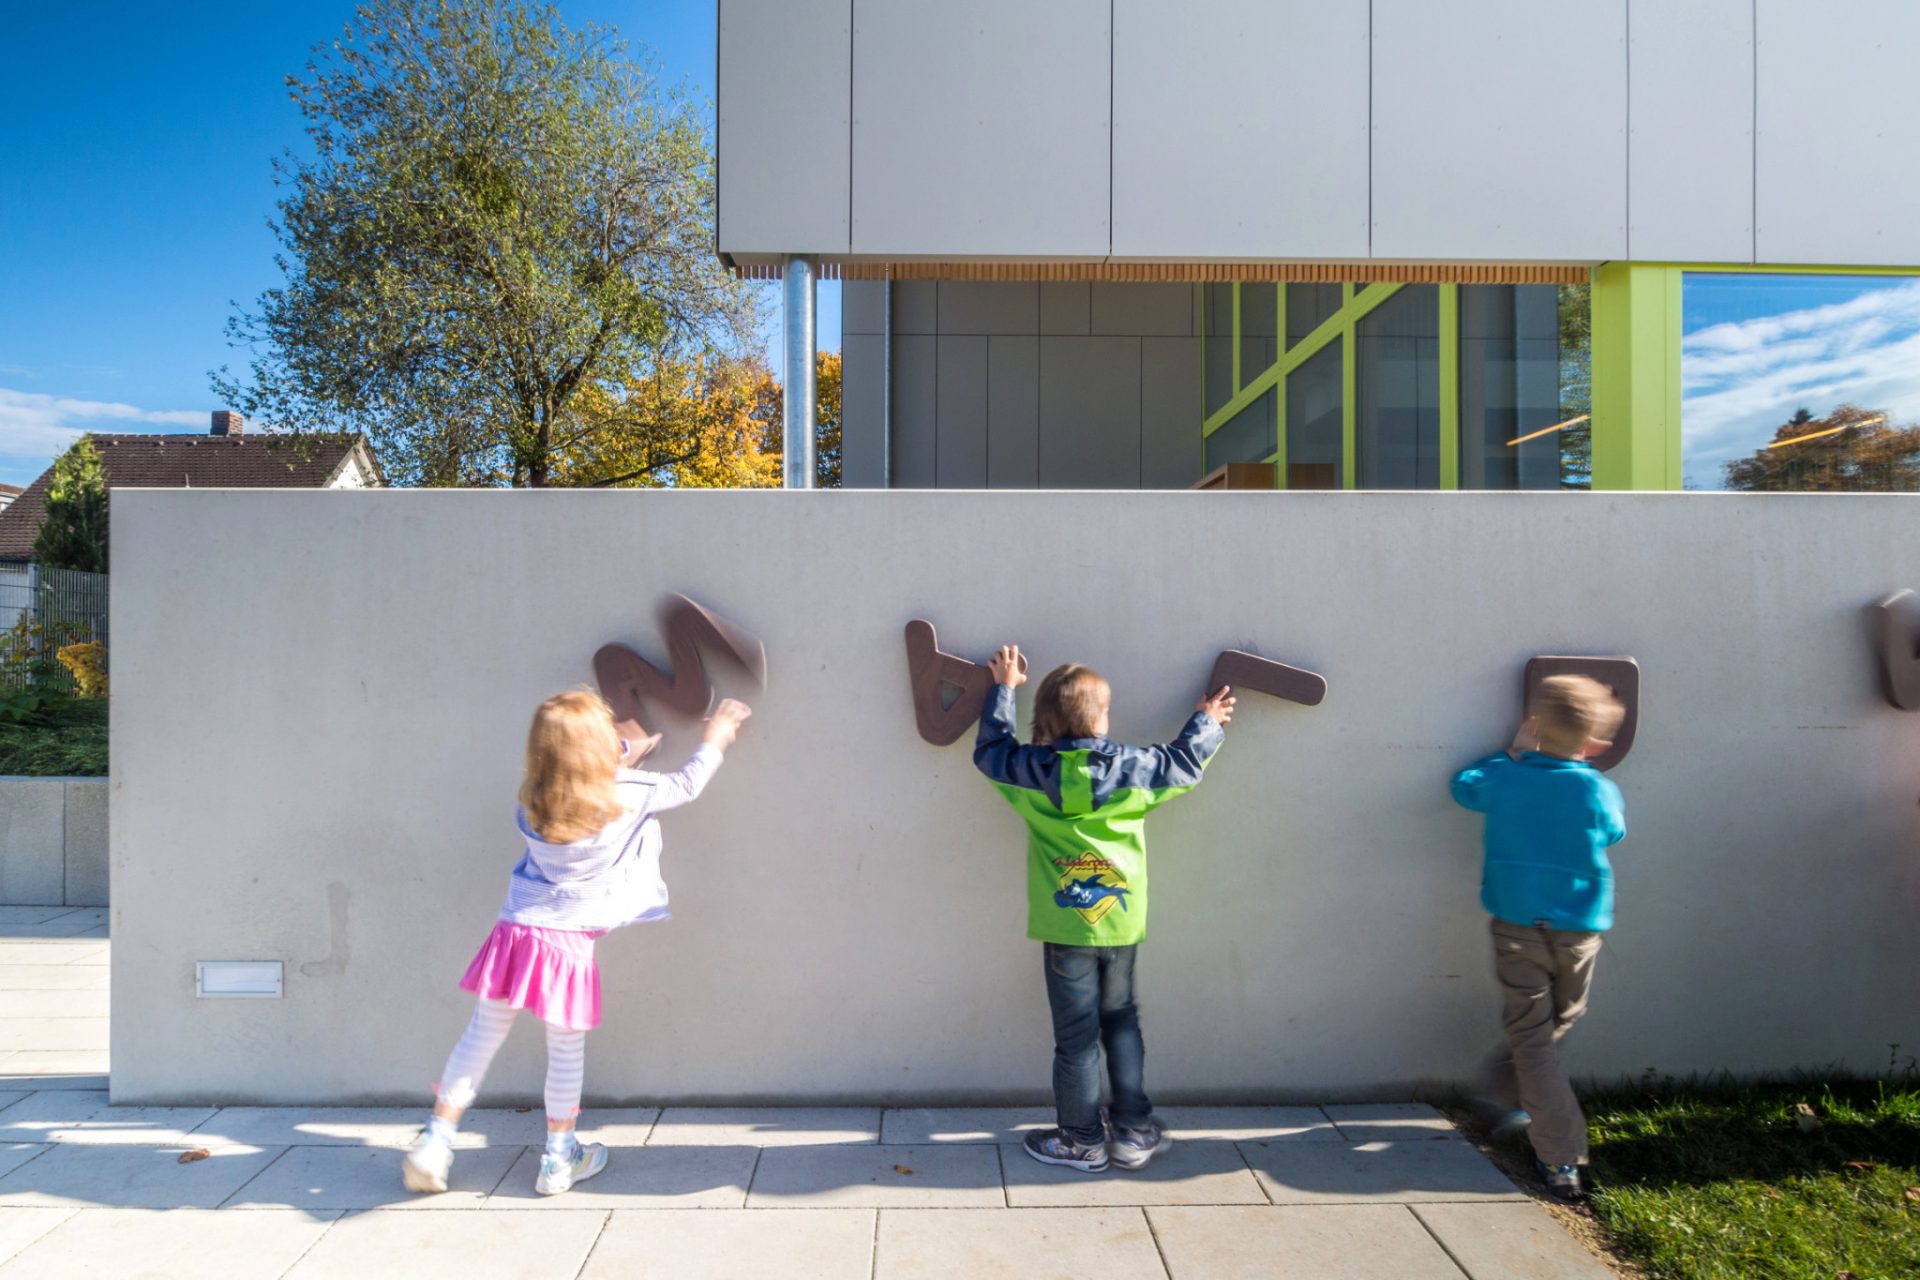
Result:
x=1085 y=802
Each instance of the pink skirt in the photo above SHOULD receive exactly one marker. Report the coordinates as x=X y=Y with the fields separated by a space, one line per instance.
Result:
x=548 y=972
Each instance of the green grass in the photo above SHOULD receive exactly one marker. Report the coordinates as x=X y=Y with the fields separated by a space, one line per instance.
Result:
x=1720 y=1182
x=67 y=739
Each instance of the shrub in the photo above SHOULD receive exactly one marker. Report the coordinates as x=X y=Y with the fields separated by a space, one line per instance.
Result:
x=88 y=663
x=60 y=737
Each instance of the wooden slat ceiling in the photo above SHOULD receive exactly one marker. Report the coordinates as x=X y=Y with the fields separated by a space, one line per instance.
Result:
x=1179 y=272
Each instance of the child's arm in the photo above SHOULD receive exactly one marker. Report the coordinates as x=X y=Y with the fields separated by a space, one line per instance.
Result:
x=997 y=752
x=671 y=790
x=1471 y=784
x=1613 y=812
x=1175 y=768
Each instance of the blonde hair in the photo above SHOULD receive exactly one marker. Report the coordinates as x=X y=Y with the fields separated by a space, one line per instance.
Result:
x=1573 y=710
x=572 y=753
x=1069 y=704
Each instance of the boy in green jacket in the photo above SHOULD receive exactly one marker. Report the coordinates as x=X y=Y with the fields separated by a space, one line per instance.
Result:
x=1085 y=801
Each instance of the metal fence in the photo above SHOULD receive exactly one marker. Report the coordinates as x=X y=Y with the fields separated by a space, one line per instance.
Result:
x=41 y=612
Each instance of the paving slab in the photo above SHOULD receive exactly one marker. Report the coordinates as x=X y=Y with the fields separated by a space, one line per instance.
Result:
x=390 y=1127
x=137 y=1245
x=1299 y=1242
x=1392 y=1172
x=1390 y=1122
x=85 y=1115
x=1191 y=1173
x=364 y=1178
x=21 y=1227
x=10 y=1096
x=10 y=915
x=126 y=1177
x=1510 y=1242
x=65 y=926
x=765 y=1126
x=92 y=953
x=53 y=977
x=615 y=1126
x=29 y=1075
x=726 y=1244
x=961 y=1244
x=15 y=1154
x=91 y=1003
x=640 y=1178
x=433 y=1246
x=53 y=1033
x=962 y=1124
x=1248 y=1124
x=956 y=1175
x=57 y=1062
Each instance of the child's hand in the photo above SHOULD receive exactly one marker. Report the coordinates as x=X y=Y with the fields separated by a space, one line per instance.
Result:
x=1008 y=667
x=725 y=722
x=1526 y=738
x=1218 y=706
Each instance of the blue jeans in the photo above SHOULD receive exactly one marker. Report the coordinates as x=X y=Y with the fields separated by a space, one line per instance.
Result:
x=1091 y=992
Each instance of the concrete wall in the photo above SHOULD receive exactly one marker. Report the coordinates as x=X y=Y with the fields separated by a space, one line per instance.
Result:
x=53 y=842
x=1585 y=130
x=849 y=901
x=1021 y=385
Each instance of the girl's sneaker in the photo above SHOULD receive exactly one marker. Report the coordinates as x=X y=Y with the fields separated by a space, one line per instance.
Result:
x=1053 y=1146
x=1132 y=1148
x=1565 y=1182
x=558 y=1175
x=426 y=1167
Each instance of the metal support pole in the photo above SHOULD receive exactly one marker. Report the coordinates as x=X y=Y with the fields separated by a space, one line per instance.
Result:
x=798 y=293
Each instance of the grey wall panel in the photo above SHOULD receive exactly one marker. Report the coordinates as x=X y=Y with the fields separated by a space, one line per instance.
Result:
x=968 y=306
x=1690 y=125
x=981 y=127
x=1090 y=413
x=1170 y=455
x=1240 y=128
x=863 y=306
x=863 y=411
x=785 y=76
x=1499 y=129
x=1013 y=413
x=1066 y=307
x=1160 y=310
x=1838 y=133
x=916 y=306
x=960 y=408
x=916 y=373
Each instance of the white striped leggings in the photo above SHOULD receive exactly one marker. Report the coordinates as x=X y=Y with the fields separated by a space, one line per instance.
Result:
x=467 y=1066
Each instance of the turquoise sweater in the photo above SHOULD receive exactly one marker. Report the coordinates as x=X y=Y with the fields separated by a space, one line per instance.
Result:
x=1549 y=822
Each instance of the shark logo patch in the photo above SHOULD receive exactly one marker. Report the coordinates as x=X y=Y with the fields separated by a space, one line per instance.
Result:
x=1090 y=885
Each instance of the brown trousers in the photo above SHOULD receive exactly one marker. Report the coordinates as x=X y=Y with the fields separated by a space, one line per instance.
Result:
x=1544 y=978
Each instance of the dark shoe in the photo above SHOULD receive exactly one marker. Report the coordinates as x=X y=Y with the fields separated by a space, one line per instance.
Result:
x=1053 y=1146
x=1132 y=1148
x=1566 y=1183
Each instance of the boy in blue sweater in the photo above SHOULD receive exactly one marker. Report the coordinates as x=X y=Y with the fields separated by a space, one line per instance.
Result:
x=1548 y=885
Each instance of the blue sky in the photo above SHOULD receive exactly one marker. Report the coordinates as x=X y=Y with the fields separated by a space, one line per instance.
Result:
x=135 y=184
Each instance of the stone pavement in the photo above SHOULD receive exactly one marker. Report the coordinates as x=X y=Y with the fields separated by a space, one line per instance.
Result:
x=860 y=1193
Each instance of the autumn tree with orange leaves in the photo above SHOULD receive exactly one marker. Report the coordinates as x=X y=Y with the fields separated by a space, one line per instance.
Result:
x=1850 y=450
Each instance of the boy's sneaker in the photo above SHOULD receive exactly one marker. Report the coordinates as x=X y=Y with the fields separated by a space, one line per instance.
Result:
x=426 y=1167
x=558 y=1175
x=1132 y=1148
x=1565 y=1182
x=1053 y=1146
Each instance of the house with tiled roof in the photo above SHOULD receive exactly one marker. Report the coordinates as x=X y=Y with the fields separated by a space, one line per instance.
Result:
x=227 y=457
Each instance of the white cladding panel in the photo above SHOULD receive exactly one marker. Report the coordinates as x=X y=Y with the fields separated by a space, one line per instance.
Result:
x=1690 y=141
x=786 y=69
x=1499 y=129
x=980 y=127
x=1240 y=129
x=1835 y=175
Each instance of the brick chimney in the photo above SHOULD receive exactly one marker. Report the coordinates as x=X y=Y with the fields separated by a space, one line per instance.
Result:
x=228 y=423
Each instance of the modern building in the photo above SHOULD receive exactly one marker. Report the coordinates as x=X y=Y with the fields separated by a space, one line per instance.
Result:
x=1119 y=243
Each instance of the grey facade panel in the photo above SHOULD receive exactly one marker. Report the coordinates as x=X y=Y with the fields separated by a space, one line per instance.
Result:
x=863 y=306
x=916 y=374
x=1240 y=128
x=1013 y=412
x=1690 y=184
x=981 y=127
x=1473 y=129
x=863 y=411
x=916 y=306
x=785 y=79
x=1835 y=180
x=1089 y=413
x=1066 y=307
x=975 y=307
x=1170 y=453
x=960 y=414
x=1160 y=310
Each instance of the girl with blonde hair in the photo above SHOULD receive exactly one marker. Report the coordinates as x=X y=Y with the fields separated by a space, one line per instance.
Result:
x=591 y=865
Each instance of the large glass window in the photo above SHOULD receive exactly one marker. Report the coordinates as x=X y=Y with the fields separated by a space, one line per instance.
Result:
x=1216 y=314
x=1313 y=419
x=1800 y=382
x=1510 y=387
x=1249 y=436
x=1398 y=390
x=1259 y=345
x=1308 y=307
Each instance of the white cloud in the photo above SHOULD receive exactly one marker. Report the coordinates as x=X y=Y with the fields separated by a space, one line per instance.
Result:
x=35 y=427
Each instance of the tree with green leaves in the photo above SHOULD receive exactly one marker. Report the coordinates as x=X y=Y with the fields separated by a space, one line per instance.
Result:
x=73 y=534
x=498 y=213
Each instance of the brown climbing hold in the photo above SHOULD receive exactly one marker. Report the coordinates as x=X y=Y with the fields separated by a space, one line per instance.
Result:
x=628 y=681
x=942 y=723
x=1250 y=673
